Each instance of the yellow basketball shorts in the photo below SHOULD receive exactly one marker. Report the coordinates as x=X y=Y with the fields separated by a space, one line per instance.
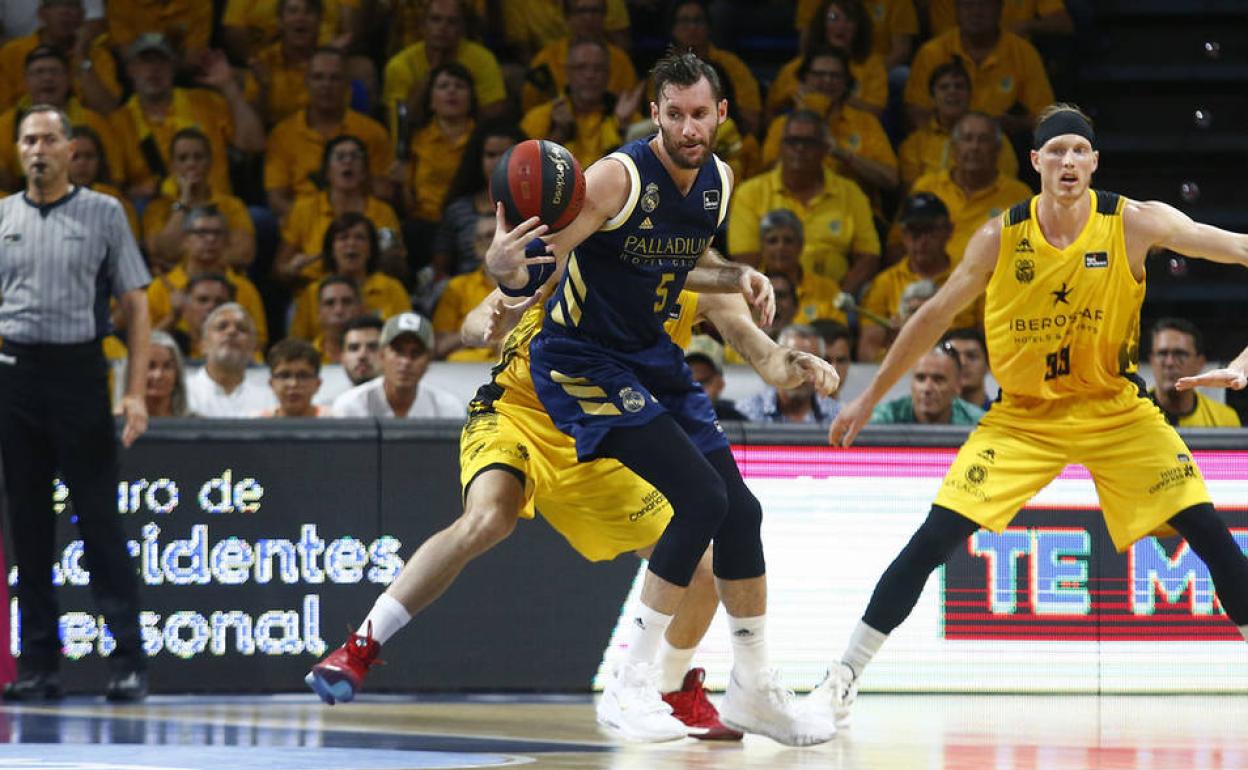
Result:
x=602 y=508
x=1144 y=473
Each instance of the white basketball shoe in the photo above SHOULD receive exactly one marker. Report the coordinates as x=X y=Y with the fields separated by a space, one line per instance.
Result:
x=766 y=707
x=835 y=695
x=632 y=708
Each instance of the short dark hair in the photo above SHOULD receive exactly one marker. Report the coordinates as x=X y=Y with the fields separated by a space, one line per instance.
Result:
x=45 y=52
x=1182 y=326
x=831 y=331
x=341 y=224
x=208 y=211
x=947 y=348
x=366 y=321
x=213 y=277
x=293 y=349
x=952 y=67
x=967 y=333
x=86 y=132
x=457 y=71
x=322 y=176
x=772 y=275
x=334 y=280
x=684 y=69
x=190 y=132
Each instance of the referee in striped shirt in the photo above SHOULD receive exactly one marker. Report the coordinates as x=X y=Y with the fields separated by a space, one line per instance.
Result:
x=65 y=251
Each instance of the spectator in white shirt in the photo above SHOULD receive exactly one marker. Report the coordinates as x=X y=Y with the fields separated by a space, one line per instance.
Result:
x=406 y=350
x=220 y=388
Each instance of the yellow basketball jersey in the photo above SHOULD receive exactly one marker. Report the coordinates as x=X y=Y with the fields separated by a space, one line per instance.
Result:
x=1063 y=322
x=511 y=374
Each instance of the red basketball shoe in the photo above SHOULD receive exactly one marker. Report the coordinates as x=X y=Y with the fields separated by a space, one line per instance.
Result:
x=340 y=674
x=690 y=705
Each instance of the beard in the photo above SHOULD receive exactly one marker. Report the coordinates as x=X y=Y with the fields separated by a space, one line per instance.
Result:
x=673 y=146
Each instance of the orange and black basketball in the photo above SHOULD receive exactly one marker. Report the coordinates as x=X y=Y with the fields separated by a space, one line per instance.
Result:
x=539 y=178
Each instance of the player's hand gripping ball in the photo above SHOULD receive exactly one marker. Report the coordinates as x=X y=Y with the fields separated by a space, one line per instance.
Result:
x=539 y=178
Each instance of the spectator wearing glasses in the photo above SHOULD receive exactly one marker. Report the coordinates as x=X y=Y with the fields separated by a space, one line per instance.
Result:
x=847 y=25
x=933 y=400
x=294 y=376
x=1178 y=350
x=406 y=351
x=841 y=243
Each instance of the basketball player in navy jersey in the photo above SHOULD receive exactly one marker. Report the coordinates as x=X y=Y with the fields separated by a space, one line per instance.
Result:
x=610 y=377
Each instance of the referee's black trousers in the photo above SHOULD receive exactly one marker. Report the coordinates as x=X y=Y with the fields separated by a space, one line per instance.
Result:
x=55 y=415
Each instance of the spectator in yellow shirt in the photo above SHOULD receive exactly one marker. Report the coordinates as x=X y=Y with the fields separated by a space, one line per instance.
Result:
x=88 y=167
x=205 y=250
x=690 y=25
x=1022 y=17
x=1177 y=351
x=462 y=294
x=281 y=69
x=297 y=143
x=351 y=251
x=547 y=77
x=925 y=229
x=407 y=74
x=344 y=169
x=782 y=237
x=436 y=144
x=187 y=187
x=930 y=147
x=843 y=24
x=248 y=26
x=1008 y=79
x=47 y=81
x=337 y=300
x=862 y=150
x=588 y=120
x=92 y=69
x=468 y=198
x=146 y=123
x=841 y=241
x=894 y=27
x=186 y=24
x=974 y=190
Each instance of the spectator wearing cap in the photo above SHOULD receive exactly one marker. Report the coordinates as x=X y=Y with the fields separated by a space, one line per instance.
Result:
x=292 y=164
x=973 y=355
x=90 y=65
x=841 y=243
x=802 y=404
x=1008 y=79
x=295 y=377
x=1178 y=350
x=186 y=24
x=933 y=400
x=406 y=350
x=47 y=78
x=782 y=237
x=974 y=190
x=925 y=231
x=146 y=123
x=221 y=388
x=705 y=358
x=205 y=235
x=929 y=148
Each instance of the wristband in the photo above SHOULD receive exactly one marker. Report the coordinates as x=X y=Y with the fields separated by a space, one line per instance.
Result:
x=538 y=274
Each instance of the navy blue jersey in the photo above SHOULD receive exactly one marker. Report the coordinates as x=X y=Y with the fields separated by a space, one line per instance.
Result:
x=622 y=282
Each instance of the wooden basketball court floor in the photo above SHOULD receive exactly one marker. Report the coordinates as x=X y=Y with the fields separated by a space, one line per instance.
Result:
x=893 y=732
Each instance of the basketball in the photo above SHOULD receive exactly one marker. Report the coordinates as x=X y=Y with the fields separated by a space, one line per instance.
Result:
x=539 y=178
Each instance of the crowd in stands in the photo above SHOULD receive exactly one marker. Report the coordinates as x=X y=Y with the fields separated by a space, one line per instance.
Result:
x=308 y=178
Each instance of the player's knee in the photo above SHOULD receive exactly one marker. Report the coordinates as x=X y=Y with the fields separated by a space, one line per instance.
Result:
x=706 y=503
x=486 y=524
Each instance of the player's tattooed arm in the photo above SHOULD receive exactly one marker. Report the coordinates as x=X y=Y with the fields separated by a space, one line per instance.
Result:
x=778 y=365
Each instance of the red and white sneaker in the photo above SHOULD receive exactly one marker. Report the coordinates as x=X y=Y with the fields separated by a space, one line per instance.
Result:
x=340 y=674
x=691 y=706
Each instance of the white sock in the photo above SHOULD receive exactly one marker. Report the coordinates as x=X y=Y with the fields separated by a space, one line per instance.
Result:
x=864 y=643
x=646 y=630
x=673 y=665
x=749 y=645
x=1244 y=630
x=387 y=617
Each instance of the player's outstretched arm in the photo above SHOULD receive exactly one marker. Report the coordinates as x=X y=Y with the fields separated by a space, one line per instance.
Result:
x=716 y=275
x=1234 y=376
x=494 y=318
x=1153 y=223
x=779 y=366
x=924 y=328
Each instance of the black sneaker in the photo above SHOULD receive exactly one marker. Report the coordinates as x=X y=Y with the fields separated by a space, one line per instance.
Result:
x=127 y=687
x=34 y=686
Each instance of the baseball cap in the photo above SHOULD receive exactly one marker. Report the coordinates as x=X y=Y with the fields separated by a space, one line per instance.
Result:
x=407 y=323
x=706 y=348
x=923 y=208
x=150 y=41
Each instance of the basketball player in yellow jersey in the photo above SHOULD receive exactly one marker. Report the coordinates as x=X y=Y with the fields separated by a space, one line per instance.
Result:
x=514 y=460
x=1064 y=275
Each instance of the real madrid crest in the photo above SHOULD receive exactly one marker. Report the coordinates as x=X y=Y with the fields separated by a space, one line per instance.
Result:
x=650 y=198
x=631 y=400
x=1024 y=270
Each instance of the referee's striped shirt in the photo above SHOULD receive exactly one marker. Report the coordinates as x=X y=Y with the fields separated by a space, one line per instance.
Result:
x=61 y=263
